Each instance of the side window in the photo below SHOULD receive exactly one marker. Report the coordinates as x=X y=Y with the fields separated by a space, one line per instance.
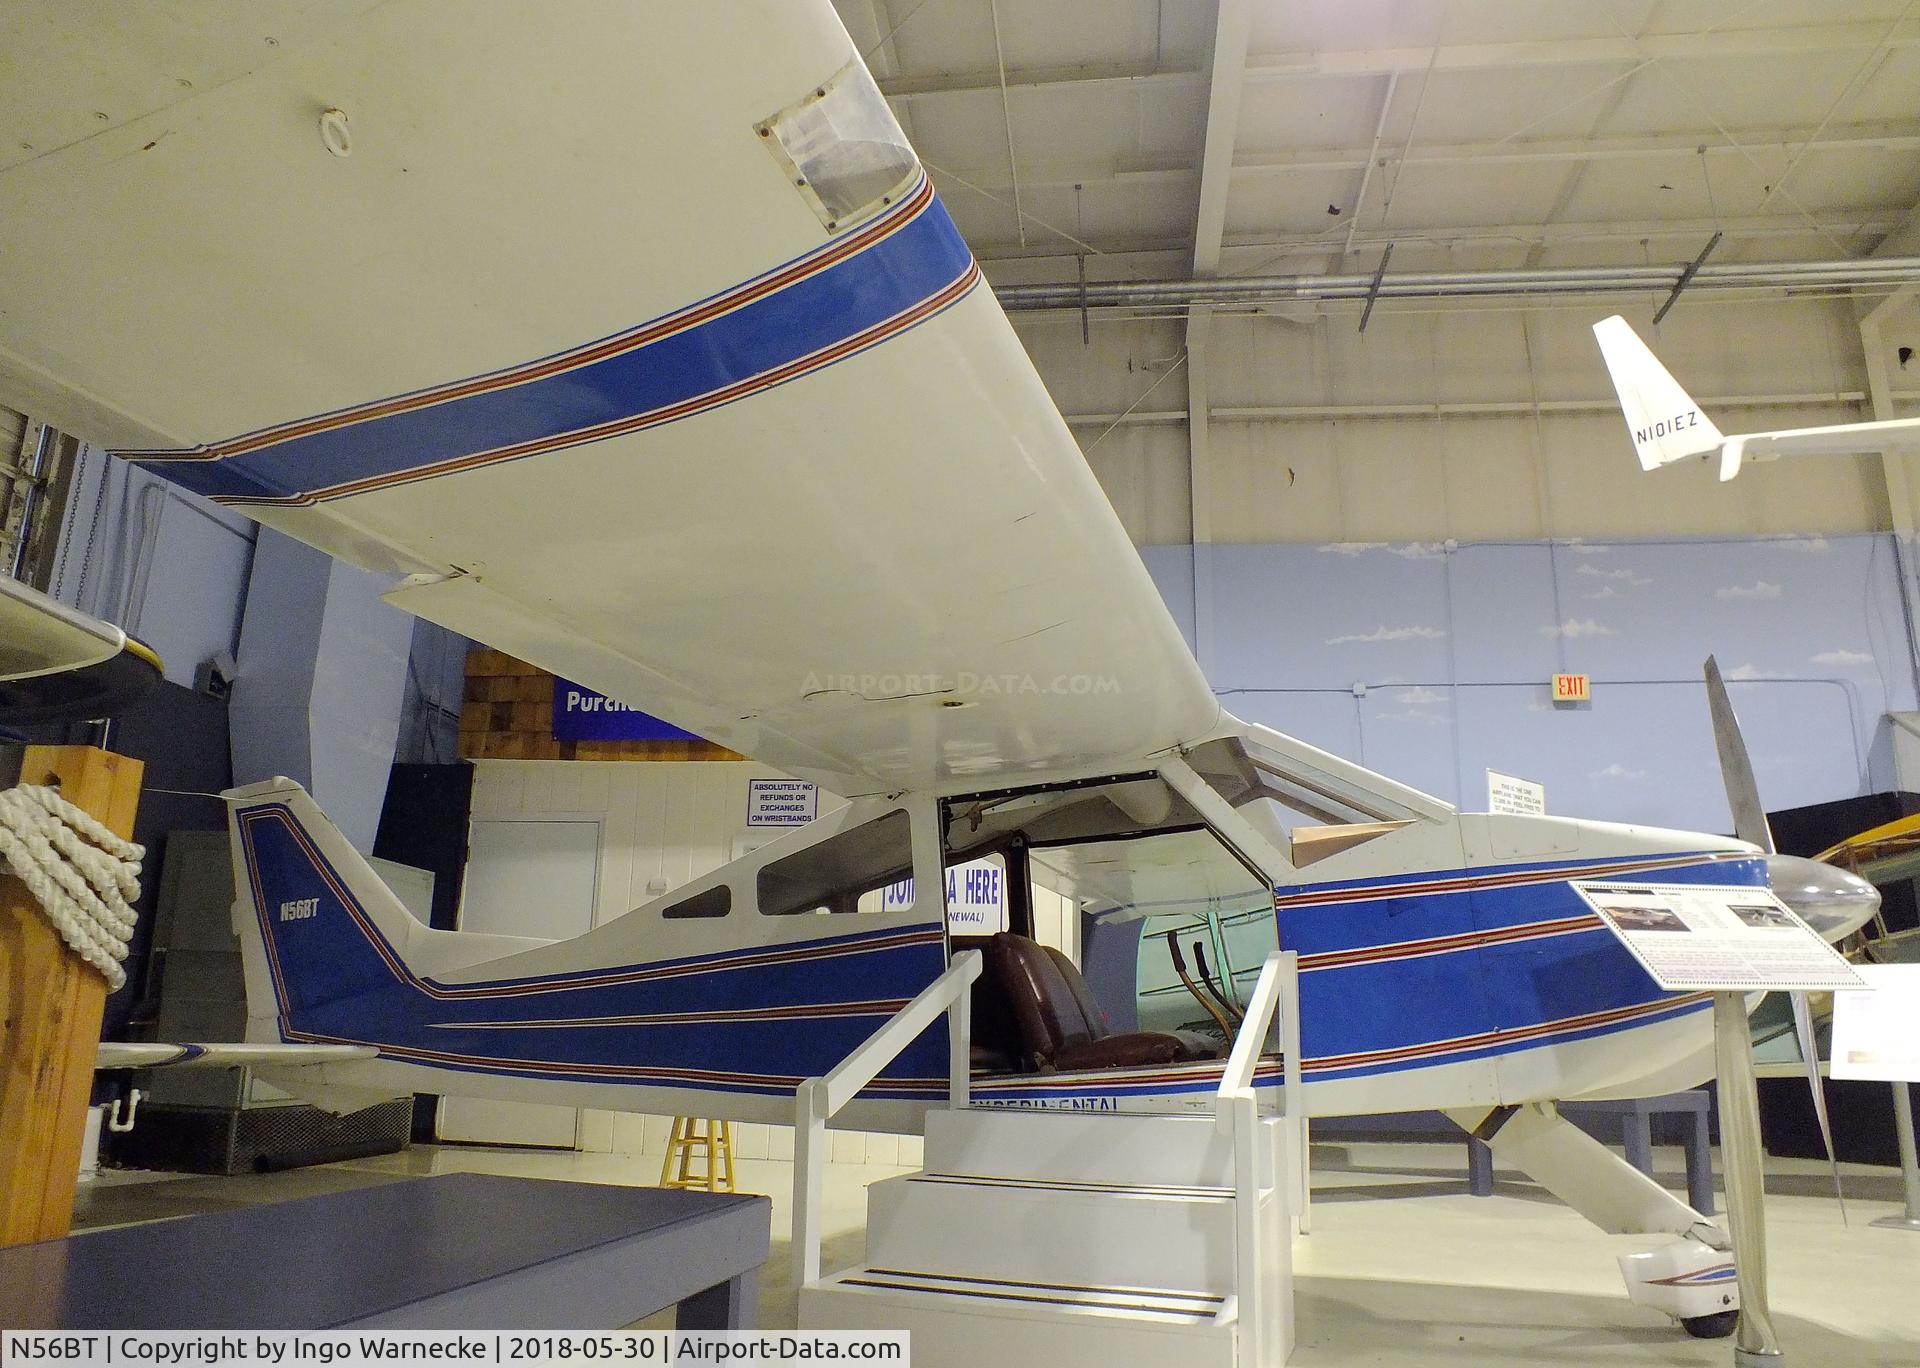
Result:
x=711 y=902
x=841 y=873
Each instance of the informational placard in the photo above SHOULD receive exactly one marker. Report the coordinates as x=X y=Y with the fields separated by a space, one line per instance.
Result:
x=583 y=715
x=1515 y=797
x=1723 y=937
x=781 y=802
x=976 y=898
x=1876 y=1033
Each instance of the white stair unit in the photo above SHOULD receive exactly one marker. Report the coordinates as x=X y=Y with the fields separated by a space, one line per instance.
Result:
x=1064 y=1237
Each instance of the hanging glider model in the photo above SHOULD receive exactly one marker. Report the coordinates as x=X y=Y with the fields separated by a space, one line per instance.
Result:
x=1668 y=425
x=651 y=356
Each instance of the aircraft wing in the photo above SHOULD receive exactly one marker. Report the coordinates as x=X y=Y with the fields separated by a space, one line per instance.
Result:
x=647 y=353
x=1844 y=439
x=162 y=1054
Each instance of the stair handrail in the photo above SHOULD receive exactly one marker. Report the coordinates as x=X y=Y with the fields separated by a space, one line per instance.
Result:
x=1237 y=1112
x=818 y=1098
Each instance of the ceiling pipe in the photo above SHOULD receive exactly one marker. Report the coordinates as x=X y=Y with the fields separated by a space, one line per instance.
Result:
x=1251 y=291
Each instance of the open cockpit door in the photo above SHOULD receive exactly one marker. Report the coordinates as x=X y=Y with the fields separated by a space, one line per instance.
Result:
x=1102 y=871
x=1306 y=803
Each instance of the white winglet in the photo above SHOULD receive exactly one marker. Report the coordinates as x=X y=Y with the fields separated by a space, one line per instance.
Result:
x=1667 y=425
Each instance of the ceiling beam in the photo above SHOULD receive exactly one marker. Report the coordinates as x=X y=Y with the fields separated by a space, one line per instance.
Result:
x=1691 y=48
x=912 y=88
x=1886 y=136
x=1232 y=21
x=1903 y=236
x=1223 y=124
x=1789 y=40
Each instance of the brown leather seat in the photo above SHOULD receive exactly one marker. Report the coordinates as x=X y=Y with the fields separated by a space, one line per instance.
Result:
x=1060 y=1024
x=995 y=1046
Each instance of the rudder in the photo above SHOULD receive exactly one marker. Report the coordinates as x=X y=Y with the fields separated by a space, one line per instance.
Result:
x=1663 y=419
x=317 y=926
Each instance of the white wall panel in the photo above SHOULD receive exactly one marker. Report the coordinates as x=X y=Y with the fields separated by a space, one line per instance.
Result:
x=660 y=824
x=1303 y=452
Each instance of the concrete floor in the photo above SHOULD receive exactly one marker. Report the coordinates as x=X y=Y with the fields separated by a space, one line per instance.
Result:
x=1402 y=1266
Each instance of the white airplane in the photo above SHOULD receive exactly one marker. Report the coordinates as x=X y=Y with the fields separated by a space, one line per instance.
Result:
x=646 y=352
x=1668 y=426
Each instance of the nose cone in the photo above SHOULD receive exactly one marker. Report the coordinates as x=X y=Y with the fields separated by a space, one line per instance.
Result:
x=1829 y=899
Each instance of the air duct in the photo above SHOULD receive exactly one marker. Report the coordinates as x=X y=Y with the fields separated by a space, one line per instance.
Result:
x=1253 y=291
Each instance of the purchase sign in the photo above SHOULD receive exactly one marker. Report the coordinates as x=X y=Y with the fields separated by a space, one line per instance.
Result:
x=580 y=714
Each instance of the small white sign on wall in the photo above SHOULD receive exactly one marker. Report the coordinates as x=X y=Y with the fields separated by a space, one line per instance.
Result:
x=781 y=802
x=1513 y=797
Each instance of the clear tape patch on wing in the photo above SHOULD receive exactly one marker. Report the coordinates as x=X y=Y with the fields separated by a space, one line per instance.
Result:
x=842 y=149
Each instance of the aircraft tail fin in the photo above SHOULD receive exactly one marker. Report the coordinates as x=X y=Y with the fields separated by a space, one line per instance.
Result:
x=1665 y=422
x=317 y=926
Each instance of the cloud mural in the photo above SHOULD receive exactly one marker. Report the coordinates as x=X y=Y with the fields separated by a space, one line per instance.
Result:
x=1476 y=633
x=1759 y=589
x=1633 y=579
x=1618 y=773
x=1385 y=633
x=1574 y=628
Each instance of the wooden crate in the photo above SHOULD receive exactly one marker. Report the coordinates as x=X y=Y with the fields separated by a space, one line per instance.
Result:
x=508 y=715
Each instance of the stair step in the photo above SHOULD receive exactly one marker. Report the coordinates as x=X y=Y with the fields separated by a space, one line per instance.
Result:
x=1070 y=1185
x=962 y=1322
x=1100 y=1147
x=1179 y=1308
x=1081 y=1233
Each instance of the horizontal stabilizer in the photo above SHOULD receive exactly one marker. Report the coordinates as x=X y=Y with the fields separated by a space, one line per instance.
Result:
x=1666 y=424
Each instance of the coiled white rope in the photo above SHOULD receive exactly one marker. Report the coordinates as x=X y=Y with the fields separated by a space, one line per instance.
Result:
x=85 y=878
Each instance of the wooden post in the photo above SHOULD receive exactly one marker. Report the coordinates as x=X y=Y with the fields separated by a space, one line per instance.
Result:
x=50 y=1006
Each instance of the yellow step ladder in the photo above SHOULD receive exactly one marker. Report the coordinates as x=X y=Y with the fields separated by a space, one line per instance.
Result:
x=699 y=1137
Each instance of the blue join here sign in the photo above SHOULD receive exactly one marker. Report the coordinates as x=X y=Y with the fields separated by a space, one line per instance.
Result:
x=580 y=714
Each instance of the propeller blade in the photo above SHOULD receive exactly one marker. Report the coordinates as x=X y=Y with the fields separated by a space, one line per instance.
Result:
x=1736 y=770
x=1750 y=825
x=1810 y=1052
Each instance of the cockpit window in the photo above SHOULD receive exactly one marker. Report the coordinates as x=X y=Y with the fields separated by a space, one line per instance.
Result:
x=831 y=875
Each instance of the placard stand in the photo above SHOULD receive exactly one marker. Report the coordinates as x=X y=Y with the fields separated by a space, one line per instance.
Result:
x=1909 y=1219
x=1730 y=940
x=1755 y=1345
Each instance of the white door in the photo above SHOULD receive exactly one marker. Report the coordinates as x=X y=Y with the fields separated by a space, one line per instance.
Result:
x=530 y=878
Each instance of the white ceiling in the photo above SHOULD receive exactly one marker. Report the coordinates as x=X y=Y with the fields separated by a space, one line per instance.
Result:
x=1470 y=134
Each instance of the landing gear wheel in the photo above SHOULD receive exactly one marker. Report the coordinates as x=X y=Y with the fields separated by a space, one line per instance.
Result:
x=1716 y=1326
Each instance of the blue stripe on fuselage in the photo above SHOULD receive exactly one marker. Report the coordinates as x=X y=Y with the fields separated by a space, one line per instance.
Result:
x=1391 y=1004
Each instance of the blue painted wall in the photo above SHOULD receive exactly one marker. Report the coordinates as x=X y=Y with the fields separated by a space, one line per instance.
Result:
x=166 y=565
x=323 y=678
x=1430 y=662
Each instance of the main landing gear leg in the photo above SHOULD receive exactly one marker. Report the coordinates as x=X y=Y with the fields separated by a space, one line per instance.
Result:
x=1691 y=1279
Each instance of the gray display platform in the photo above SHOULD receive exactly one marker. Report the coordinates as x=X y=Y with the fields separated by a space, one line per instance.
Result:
x=462 y=1251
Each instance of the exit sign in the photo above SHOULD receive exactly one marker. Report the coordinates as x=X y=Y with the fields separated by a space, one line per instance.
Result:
x=1572 y=688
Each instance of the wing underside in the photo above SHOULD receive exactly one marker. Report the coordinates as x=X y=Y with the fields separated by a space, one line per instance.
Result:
x=563 y=340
